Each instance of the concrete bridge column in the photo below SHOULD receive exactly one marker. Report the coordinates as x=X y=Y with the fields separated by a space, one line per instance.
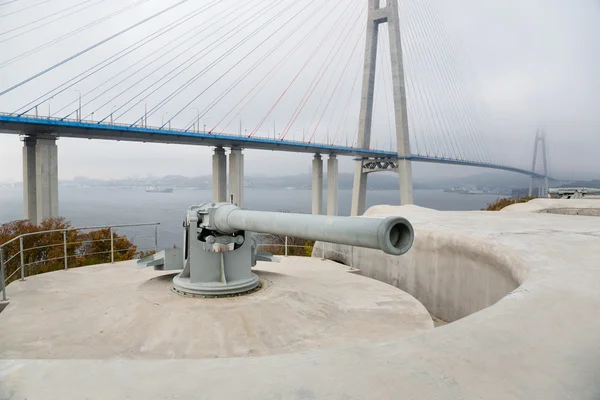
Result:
x=332 y=185
x=236 y=176
x=376 y=16
x=317 y=184
x=219 y=176
x=40 y=178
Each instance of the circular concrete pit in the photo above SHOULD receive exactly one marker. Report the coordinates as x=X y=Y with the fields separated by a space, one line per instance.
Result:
x=114 y=311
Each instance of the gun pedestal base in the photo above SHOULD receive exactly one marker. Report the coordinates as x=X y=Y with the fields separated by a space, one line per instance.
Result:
x=219 y=266
x=184 y=287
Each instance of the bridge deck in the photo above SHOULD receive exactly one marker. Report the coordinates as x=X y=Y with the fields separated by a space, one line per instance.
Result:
x=94 y=130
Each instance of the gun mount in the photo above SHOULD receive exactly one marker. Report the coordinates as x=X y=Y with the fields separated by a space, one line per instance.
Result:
x=219 y=250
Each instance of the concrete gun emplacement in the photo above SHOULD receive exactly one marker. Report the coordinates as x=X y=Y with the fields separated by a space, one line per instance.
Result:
x=219 y=250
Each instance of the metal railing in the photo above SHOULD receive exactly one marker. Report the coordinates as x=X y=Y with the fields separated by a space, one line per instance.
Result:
x=323 y=250
x=76 y=248
x=189 y=130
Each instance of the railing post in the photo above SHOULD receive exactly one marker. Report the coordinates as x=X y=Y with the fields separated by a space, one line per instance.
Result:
x=112 y=247
x=286 y=246
x=155 y=238
x=65 y=248
x=22 y=258
x=2 y=274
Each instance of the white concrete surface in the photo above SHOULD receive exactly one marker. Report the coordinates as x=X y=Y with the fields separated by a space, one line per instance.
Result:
x=538 y=342
x=452 y=274
x=590 y=207
x=114 y=311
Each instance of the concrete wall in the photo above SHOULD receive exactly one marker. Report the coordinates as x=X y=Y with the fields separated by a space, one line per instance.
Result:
x=452 y=275
x=586 y=206
x=590 y=212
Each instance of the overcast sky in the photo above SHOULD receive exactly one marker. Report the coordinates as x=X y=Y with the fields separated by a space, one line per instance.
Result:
x=480 y=75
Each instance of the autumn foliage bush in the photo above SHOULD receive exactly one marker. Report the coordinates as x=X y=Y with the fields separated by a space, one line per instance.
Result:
x=505 y=202
x=275 y=244
x=45 y=252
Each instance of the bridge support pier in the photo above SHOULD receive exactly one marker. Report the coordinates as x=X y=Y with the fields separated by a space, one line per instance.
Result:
x=332 y=185
x=40 y=178
x=219 y=176
x=317 y=184
x=236 y=176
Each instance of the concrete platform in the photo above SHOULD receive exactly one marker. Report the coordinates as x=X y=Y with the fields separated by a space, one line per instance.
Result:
x=114 y=311
x=521 y=287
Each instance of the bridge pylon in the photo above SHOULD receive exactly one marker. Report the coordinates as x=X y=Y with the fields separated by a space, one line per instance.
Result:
x=540 y=141
x=378 y=15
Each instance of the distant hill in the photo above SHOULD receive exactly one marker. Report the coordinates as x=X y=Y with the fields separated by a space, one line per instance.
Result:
x=594 y=183
x=377 y=181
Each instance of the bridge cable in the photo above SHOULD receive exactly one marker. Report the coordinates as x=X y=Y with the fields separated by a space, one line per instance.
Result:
x=214 y=45
x=409 y=98
x=481 y=105
x=160 y=56
x=332 y=28
x=481 y=117
x=187 y=83
x=413 y=112
x=454 y=77
x=262 y=121
x=46 y=17
x=86 y=50
x=341 y=75
x=69 y=34
x=148 y=39
x=248 y=71
x=339 y=44
x=108 y=61
x=269 y=75
x=314 y=82
x=387 y=84
x=413 y=63
x=24 y=9
x=433 y=72
x=330 y=81
x=244 y=57
x=349 y=99
x=238 y=62
x=340 y=99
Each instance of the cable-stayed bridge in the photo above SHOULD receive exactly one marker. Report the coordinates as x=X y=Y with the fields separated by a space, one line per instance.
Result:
x=377 y=81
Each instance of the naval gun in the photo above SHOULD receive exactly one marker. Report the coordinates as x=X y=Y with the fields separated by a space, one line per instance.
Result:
x=219 y=250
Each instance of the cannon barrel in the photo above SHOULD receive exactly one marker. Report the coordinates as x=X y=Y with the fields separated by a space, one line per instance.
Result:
x=393 y=235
